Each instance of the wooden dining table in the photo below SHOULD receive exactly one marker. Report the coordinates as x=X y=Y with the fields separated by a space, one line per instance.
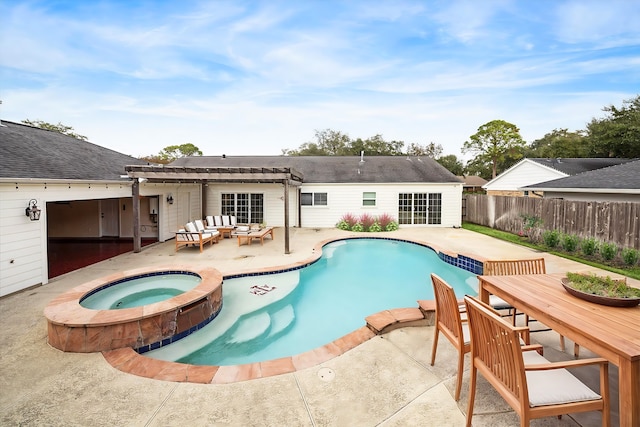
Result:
x=611 y=332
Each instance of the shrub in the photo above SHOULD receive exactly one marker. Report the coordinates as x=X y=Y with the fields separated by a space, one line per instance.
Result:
x=392 y=226
x=375 y=227
x=529 y=223
x=357 y=227
x=350 y=219
x=630 y=256
x=589 y=246
x=570 y=242
x=608 y=251
x=551 y=238
x=367 y=220
x=343 y=225
x=384 y=220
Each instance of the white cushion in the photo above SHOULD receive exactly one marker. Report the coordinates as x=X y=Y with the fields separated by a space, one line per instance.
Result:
x=199 y=225
x=242 y=228
x=191 y=227
x=233 y=220
x=217 y=220
x=554 y=386
x=226 y=221
x=210 y=222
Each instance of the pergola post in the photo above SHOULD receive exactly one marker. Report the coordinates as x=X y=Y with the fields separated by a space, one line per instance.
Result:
x=286 y=216
x=135 y=194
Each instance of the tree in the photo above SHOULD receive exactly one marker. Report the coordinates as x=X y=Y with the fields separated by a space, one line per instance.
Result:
x=375 y=146
x=559 y=143
x=172 y=152
x=617 y=135
x=328 y=143
x=495 y=142
x=432 y=150
x=452 y=164
x=60 y=128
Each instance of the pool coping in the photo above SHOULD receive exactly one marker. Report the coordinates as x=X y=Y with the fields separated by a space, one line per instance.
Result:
x=129 y=361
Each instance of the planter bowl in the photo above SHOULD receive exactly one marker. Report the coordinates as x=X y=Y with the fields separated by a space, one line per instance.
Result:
x=599 y=299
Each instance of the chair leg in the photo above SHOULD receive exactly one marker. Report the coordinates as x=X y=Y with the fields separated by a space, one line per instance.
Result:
x=562 y=342
x=460 y=372
x=576 y=350
x=472 y=394
x=434 y=346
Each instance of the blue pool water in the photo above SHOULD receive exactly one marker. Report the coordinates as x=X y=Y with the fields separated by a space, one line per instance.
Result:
x=141 y=290
x=315 y=305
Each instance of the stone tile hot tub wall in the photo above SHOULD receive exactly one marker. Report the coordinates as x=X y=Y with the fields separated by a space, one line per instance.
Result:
x=74 y=328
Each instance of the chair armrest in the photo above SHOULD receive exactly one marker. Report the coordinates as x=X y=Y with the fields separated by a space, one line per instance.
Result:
x=567 y=364
x=533 y=347
x=525 y=333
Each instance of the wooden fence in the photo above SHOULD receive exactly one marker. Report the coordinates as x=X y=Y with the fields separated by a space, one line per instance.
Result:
x=614 y=222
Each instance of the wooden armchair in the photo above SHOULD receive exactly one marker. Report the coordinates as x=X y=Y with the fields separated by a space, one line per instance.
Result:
x=194 y=237
x=529 y=383
x=514 y=267
x=451 y=324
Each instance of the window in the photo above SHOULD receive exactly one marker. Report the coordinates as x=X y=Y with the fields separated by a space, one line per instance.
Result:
x=313 y=199
x=420 y=208
x=247 y=207
x=369 y=198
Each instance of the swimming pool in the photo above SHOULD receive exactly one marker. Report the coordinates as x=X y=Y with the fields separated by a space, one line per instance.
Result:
x=303 y=309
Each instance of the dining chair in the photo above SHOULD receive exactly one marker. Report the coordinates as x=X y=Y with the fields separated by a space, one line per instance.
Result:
x=529 y=383
x=449 y=321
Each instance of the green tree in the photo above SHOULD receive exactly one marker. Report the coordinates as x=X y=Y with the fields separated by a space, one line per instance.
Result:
x=618 y=134
x=328 y=143
x=495 y=142
x=172 y=152
x=452 y=164
x=375 y=146
x=60 y=128
x=559 y=143
x=431 y=149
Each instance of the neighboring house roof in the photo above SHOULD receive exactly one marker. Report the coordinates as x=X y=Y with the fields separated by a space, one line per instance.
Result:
x=33 y=153
x=472 y=180
x=573 y=166
x=624 y=176
x=531 y=171
x=337 y=169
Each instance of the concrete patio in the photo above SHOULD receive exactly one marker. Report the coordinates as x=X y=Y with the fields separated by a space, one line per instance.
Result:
x=385 y=381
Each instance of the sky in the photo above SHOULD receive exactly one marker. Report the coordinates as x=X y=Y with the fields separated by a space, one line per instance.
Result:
x=258 y=77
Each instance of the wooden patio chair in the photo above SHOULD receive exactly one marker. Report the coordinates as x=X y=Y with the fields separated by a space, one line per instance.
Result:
x=510 y=267
x=449 y=321
x=529 y=383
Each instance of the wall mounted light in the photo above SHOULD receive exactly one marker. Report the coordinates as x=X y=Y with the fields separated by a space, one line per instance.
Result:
x=32 y=210
x=170 y=199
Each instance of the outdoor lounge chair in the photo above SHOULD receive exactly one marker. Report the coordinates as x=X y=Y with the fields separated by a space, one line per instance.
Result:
x=191 y=236
x=529 y=383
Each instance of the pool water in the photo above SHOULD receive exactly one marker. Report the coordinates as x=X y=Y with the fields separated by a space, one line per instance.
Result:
x=142 y=290
x=317 y=304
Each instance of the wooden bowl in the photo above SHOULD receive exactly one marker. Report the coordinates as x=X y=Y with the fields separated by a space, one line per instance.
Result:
x=599 y=299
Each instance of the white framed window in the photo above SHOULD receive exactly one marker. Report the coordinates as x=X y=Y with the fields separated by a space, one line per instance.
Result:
x=313 y=199
x=369 y=198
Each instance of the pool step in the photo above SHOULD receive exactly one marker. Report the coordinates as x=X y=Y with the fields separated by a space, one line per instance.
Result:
x=251 y=328
x=281 y=319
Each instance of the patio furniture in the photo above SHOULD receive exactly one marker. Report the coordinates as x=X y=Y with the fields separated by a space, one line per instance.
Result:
x=193 y=237
x=610 y=332
x=513 y=267
x=450 y=323
x=249 y=235
x=529 y=383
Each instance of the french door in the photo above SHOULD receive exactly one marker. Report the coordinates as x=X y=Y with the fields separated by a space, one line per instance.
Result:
x=420 y=208
x=247 y=207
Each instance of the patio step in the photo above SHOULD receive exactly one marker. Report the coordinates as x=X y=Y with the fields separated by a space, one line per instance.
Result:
x=281 y=319
x=251 y=328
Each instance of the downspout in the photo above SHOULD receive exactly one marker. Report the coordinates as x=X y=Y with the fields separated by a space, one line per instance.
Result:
x=135 y=194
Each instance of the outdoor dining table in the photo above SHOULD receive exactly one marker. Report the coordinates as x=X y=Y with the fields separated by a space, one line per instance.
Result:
x=611 y=332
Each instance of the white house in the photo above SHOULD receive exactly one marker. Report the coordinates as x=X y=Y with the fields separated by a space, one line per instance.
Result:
x=619 y=183
x=84 y=191
x=535 y=170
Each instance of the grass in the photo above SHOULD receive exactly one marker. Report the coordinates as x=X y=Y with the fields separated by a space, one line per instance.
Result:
x=633 y=272
x=602 y=286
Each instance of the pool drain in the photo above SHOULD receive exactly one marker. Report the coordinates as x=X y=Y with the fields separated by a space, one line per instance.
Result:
x=326 y=374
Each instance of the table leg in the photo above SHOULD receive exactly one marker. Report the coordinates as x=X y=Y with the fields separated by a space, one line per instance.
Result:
x=629 y=392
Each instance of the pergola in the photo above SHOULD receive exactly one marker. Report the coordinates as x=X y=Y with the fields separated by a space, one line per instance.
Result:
x=203 y=175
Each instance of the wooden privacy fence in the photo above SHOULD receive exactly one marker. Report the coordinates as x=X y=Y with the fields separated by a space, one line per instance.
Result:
x=614 y=222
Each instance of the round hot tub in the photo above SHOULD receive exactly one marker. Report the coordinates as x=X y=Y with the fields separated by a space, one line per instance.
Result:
x=144 y=325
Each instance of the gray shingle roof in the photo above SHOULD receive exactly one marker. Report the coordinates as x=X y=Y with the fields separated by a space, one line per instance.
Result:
x=621 y=176
x=30 y=152
x=572 y=166
x=338 y=169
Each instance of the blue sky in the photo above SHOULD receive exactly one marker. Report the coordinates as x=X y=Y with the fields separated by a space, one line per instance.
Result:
x=256 y=77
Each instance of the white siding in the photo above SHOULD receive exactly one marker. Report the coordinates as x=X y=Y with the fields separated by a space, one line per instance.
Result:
x=347 y=198
x=524 y=173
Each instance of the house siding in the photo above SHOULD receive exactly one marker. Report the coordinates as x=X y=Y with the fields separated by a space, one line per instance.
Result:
x=524 y=173
x=347 y=198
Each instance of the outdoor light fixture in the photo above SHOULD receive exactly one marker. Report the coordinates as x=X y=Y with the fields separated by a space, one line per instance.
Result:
x=32 y=211
x=170 y=199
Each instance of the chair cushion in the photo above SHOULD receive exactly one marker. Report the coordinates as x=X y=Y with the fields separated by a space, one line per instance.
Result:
x=466 y=334
x=554 y=386
x=217 y=220
x=210 y=222
x=226 y=221
x=243 y=228
x=233 y=220
x=199 y=224
x=498 y=303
